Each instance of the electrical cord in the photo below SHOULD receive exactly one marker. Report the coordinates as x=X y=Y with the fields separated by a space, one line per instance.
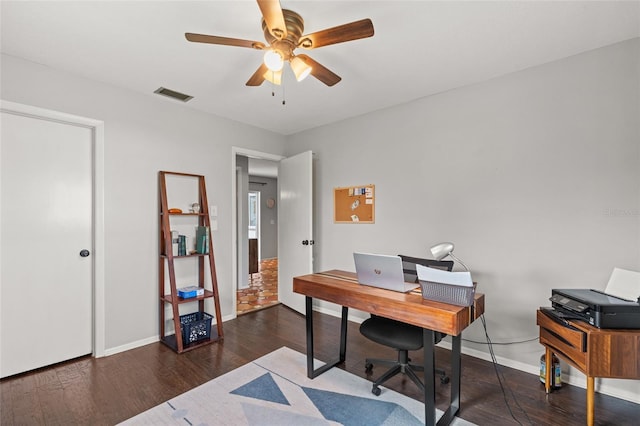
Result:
x=502 y=379
x=502 y=343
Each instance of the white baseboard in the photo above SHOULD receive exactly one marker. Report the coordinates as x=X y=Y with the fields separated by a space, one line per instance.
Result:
x=148 y=340
x=132 y=345
x=572 y=377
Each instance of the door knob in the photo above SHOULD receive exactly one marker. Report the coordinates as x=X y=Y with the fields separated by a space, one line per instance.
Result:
x=305 y=242
x=84 y=253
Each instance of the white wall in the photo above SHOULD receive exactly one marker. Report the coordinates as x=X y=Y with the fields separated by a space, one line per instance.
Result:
x=143 y=134
x=535 y=176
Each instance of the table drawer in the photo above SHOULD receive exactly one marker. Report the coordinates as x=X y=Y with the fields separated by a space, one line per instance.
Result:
x=566 y=341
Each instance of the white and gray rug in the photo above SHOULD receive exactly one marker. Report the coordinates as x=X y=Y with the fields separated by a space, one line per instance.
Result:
x=275 y=390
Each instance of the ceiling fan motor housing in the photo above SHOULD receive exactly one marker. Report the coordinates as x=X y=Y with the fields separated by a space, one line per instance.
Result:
x=295 y=28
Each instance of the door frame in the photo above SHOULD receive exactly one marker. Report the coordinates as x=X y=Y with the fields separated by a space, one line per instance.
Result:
x=234 y=222
x=97 y=167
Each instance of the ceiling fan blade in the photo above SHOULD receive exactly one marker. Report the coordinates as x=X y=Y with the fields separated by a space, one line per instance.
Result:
x=273 y=17
x=320 y=72
x=258 y=77
x=347 y=32
x=226 y=41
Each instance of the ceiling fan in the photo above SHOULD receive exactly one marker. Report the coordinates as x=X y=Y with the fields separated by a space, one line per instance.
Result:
x=283 y=31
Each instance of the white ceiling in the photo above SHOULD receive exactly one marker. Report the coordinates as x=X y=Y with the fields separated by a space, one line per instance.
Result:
x=419 y=48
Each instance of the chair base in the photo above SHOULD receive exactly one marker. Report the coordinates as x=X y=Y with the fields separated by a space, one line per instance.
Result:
x=402 y=365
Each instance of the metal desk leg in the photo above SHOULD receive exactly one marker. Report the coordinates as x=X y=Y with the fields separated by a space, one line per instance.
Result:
x=311 y=372
x=309 y=325
x=429 y=377
x=428 y=338
x=456 y=364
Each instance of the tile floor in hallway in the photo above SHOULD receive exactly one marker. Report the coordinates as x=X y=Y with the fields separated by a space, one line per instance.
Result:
x=263 y=288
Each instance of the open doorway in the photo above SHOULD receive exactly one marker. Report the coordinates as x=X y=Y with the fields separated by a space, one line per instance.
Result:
x=257 y=228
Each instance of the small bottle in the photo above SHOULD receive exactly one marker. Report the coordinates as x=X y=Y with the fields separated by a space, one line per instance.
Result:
x=556 y=377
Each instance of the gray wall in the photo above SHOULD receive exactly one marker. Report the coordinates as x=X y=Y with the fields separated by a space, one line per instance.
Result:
x=268 y=217
x=542 y=188
x=535 y=176
x=143 y=134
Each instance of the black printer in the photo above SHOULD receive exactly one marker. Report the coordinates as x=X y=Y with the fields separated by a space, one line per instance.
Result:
x=595 y=307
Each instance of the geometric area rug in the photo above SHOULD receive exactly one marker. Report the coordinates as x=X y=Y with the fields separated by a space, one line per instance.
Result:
x=275 y=390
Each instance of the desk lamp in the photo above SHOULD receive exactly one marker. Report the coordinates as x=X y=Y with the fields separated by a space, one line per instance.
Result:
x=442 y=250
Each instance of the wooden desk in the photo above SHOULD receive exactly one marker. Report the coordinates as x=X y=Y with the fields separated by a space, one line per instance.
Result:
x=594 y=351
x=342 y=288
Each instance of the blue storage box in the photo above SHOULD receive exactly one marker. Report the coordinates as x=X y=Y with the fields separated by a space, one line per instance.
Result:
x=195 y=327
x=191 y=291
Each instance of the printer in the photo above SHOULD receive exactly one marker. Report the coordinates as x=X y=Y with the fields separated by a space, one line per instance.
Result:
x=595 y=307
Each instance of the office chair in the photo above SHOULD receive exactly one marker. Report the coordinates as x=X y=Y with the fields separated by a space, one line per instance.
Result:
x=401 y=336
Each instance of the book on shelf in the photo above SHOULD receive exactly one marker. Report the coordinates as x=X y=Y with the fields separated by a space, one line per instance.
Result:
x=182 y=245
x=202 y=239
x=174 y=242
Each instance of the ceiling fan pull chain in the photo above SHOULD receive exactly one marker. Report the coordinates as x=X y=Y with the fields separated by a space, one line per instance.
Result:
x=283 y=101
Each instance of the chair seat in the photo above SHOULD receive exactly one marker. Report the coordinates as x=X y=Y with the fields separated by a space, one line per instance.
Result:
x=396 y=334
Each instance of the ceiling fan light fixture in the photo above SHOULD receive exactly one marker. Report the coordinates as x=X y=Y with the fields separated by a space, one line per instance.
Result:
x=273 y=60
x=274 y=77
x=300 y=68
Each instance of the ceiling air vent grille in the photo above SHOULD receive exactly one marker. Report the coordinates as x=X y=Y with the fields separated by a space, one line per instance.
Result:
x=173 y=94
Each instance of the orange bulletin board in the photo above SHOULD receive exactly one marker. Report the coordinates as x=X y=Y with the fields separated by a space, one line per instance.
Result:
x=354 y=204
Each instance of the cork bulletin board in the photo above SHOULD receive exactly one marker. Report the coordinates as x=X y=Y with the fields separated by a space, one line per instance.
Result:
x=354 y=204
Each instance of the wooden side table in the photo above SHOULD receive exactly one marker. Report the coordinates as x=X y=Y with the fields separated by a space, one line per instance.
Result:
x=596 y=352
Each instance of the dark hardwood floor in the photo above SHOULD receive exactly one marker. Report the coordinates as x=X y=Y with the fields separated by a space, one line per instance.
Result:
x=108 y=390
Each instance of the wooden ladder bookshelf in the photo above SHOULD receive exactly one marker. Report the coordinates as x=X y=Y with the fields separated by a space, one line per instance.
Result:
x=199 y=321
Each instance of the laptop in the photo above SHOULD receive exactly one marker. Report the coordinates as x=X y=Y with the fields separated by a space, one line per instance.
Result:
x=382 y=271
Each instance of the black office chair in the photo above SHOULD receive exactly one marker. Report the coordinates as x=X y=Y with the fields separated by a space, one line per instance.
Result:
x=401 y=336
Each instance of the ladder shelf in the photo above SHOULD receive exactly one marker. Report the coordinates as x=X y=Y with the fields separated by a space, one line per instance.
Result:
x=198 y=325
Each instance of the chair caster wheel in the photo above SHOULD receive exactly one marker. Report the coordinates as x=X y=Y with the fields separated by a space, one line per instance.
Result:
x=368 y=367
x=444 y=380
x=376 y=390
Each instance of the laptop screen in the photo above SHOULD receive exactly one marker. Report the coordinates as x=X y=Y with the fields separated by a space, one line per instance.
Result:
x=382 y=271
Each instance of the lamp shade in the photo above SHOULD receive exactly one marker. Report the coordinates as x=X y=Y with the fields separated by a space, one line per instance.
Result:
x=273 y=60
x=274 y=77
x=442 y=250
x=300 y=68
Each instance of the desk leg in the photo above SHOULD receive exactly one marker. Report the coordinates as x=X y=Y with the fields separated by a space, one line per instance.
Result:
x=309 y=324
x=428 y=339
x=311 y=372
x=456 y=368
x=590 y=400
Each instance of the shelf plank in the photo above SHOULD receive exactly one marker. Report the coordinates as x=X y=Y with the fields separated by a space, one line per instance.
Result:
x=170 y=299
x=170 y=341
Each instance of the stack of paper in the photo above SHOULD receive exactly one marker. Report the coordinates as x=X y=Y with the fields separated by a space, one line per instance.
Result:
x=444 y=277
x=624 y=284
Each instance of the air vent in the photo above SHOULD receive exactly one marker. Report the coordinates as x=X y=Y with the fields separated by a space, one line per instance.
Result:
x=173 y=94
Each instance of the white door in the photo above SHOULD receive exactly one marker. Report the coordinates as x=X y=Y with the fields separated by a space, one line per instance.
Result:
x=46 y=221
x=295 y=226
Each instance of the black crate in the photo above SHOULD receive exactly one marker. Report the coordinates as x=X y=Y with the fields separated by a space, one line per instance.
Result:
x=195 y=327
